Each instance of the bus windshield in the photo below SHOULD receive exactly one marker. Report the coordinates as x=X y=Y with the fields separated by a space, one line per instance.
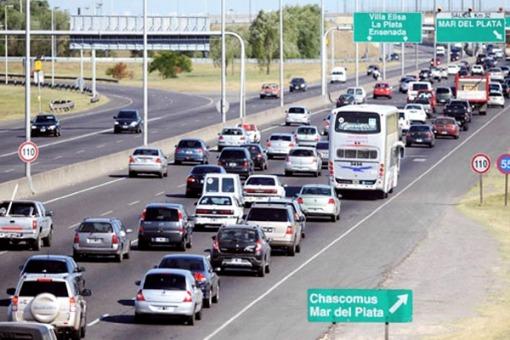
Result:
x=358 y=122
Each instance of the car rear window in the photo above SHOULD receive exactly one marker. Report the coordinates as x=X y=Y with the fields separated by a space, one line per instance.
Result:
x=146 y=152
x=253 y=149
x=413 y=107
x=232 y=132
x=95 y=227
x=18 y=209
x=268 y=215
x=236 y=235
x=233 y=154
x=321 y=191
x=34 y=288
x=443 y=121
x=296 y=110
x=418 y=87
x=165 y=282
x=418 y=128
x=382 y=86
x=443 y=90
x=45 y=266
x=301 y=153
x=161 y=214
x=127 y=115
x=322 y=146
x=307 y=131
x=216 y=200
x=189 y=144
x=260 y=181
x=188 y=263
x=281 y=137
x=202 y=170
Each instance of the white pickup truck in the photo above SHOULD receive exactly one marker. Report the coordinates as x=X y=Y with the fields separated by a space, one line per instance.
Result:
x=25 y=221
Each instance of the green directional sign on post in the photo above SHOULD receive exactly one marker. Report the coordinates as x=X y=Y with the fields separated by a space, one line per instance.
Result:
x=507 y=22
x=394 y=27
x=470 y=27
x=360 y=305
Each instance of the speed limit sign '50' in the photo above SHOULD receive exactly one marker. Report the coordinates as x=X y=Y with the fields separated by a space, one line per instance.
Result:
x=480 y=163
x=28 y=152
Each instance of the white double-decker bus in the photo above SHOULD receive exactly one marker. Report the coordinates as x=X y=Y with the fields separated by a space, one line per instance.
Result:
x=364 y=148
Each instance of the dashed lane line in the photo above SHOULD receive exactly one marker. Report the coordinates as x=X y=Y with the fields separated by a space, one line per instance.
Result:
x=83 y=190
x=106 y=213
x=159 y=193
x=73 y=226
x=133 y=203
x=96 y=321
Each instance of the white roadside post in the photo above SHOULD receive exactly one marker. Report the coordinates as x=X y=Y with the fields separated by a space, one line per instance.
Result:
x=145 y=78
x=281 y=56
x=53 y=48
x=93 y=57
x=81 y=69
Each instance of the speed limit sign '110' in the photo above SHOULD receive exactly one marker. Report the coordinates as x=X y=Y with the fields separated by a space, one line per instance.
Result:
x=28 y=152
x=480 y=163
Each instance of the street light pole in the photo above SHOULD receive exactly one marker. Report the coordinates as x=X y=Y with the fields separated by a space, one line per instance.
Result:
x=323 y=50
x=53 y=47
x=28 y=130
x=6 y=45
x=416 y=45
x=281 y=55
x=145 y=79
x=403 y=48
x=356 y=62
x=223 y=65
x=384 y=47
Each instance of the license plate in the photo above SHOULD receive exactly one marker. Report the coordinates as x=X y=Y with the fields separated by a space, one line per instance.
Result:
x=444 y=132
x=236 y=261
x=268 y=229
x=419 y=140
x=355 y=182
x=43 y=130
x=124 y=127
x=8 y=235
x=160 y=239
x=232 y=164
x=188 y=152
x=166 y=308
x=93 y=240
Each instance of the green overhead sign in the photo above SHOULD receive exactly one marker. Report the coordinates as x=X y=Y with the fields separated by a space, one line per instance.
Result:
x=395 y=27
x=507 y=22
x=470 y=27
x=360 y=305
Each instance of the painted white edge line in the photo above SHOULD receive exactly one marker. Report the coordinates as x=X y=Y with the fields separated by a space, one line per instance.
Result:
x=351 y=229
x=84 y=190
x=96 y=321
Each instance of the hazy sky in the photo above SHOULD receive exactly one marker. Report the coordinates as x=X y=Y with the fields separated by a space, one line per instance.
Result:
x=166 y=7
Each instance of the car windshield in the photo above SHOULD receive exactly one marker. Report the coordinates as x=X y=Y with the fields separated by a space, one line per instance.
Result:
x=268 y=215
x=307 y=131
x=146 y=152
x=321 y=191
x=253 y=149
x=202 y=170
x=261 y=181
x=301 y=153
x=419 y=128
x=161 y=214
x=34 y=288
x=237 y=235
x=442 y=90
x=187 y=263
x=215 y=200
x=45 y=267
x=281 y=137
x=127 y=115
x=189 y=144
x=297 y=80
x=358 y=122
x=95 y=227
x=232 y=132
x=45 y=119
x=233 y=154
x=322 y=146
x=18 y=209
x=413 y=107
x=165 y=281
x=297 y=110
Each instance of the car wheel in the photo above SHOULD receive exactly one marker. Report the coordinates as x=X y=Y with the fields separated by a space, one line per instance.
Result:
x=268 y=268
x=36 y=244
x=316 y=174
x=261 y=271
x=465 y=127
x=142 y=245
x=75 y=334
x=139 y=318
x=189 y=244
x=456 y=136
x=269 y=156
x=288 y=173
x=119 y=257
x=77 y=257
x=47 y=239
x=216 y=298
x=408 y=145
x=208 y=301
x=298 y=248
x=132 y=174
x=291 y=251
x=176 y=162
x=182 y=245
x=83 y=330
x=190 y=320
x=127 y=254
x=332 y=218
x=287 y=123
x=198 y=315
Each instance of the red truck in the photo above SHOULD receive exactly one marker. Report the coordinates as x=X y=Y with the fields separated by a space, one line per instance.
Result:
x=474 y=89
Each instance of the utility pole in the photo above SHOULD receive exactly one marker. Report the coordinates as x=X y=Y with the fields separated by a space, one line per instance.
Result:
x=53 y=47
x=145 y=79
x=281 y=56
x=416 y=45
x=323 y=56
x=6 y=45
x=384 y=47
x=403 y=48
x=356 y=62
x=223 y=65
x=435 y=40
x=28 y=130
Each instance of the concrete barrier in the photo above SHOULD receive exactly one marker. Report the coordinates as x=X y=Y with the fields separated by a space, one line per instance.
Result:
x=116 y=163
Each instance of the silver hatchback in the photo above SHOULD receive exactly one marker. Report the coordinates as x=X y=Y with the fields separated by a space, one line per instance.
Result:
x=307 y=136
x=149 y=161
x=279 y=144
x=303 y=159
x=101 y=237
x=319 y=200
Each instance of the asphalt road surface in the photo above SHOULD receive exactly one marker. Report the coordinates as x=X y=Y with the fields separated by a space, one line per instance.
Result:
x=371 y=238
x=88 y=136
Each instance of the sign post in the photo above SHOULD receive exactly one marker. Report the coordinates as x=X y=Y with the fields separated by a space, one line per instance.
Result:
x=503 y=164
x=396 y=27
x=480 y=164
x=465 y=27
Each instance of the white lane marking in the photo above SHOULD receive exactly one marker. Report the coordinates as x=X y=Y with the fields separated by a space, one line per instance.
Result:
x=419 y=160
x=80 y=151
x=83 y=190
x=96 y=321
x=58 y=157
x=271 y=128
x=119 y=141
x=100 y=146
x=3 y=252
x=73 y=226
x=181 y=185
x=133 y=203
x=351 y=229
x=106 y=213
x=159 y=193
x=36 y=163
x=8 y=170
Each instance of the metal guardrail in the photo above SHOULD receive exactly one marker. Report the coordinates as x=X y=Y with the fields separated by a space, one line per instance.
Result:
x=61 y=105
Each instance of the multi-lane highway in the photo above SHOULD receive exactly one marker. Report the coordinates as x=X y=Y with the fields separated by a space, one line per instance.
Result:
x=88 y=136
x=371 y=238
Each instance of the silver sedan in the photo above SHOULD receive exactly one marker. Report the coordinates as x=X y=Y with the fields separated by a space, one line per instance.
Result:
x=148 y=160
x=303 y=159
x=319 y=200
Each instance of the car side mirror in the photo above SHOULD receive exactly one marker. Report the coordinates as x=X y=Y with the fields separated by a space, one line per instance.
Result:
x=213 y=237
x=155 y=266
x=11 y=291
x=138 y=282
x=49 y=213
x=114 y=117
x=86 y=292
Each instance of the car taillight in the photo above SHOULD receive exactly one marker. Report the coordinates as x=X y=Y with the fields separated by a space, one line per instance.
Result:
x=331 y=201
x=331 y=168
x=246 y=164
x=202 y=211
x=141 y=230
x=187 y=297
x=300 y=200
x=179 y=215
x=14 y=303
x=220 y=137
x=381 y=170
x=72 y=304
x=115 y=239
x=34 y=224
x=292 y=145
x=191 y=180
x=158 y=160
x=139 y=296
x=289 y=230
x=199 y=277
x=268 y=144
x=215 y=245
x=131 y=159
x=258 y=247
x=44 y=279
x=242 y=138
x=76 y=238
x=142 y=215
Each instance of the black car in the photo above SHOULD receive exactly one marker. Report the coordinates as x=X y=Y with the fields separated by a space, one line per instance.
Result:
x=371 y=69
x=463 y=71
x=298 y=84
x=195 y=180
x=236 y=160
x=128 y=120
x=394 y=56
x=345 y=99
x=459 y=111
x=425 y=75
x=454 y=56
x=241 y=247
x=480 y=58
x=202 y=270
x=506 y=88
x=420 y=134
x=46 y=124
x=258 y=155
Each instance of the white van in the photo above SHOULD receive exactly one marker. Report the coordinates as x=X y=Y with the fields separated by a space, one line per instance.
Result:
x=229 y=184
x=440 y=50
x=415 y=87
x=339 y=74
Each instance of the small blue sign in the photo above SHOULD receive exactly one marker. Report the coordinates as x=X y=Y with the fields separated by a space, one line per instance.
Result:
x=503 y=164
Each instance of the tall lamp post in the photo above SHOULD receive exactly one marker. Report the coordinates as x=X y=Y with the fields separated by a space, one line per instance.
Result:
x=281 y=55
x=323 y=51
x=53 y=47
x=145 y=78
x=223 y=66
x=28 y=130
x=6 y=45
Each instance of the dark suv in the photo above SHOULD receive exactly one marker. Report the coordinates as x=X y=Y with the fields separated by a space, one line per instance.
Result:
x=237 y=161
x=297 y=84
x=128 y=120
x=195 y=180
x=241 y=246
x=459 y=111
x=258 y=155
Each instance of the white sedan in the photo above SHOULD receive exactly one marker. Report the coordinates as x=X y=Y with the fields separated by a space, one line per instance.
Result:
x=415 y=112
x=496 y=99
x=453 y=69
x=217 y=210
x=261 y=187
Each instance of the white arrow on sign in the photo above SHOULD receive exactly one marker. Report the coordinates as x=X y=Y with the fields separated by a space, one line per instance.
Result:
x=369 y=38
x=402 y=300
x=498 y=35
x=405 y=38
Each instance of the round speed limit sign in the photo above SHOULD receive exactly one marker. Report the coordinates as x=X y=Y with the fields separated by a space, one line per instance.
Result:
x=480 y=163
x=28 y=152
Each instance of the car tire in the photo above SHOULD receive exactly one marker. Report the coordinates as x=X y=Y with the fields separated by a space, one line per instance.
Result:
x=208 y=302
x=189 y=244
x=261 y=271
x=47 y=239
x=408 y=145
x=270 y=156
x=127 y=254
x=75 y=334
x=36 y=244
x=132 y=174
x=142 y=245
x=198 y=315
x=190 y=320
x=456 y=137
x=119 y=257
x=288 y=173
x=182 y=245
x=77 y=257
x=291 y=251
x=465 y=127
x=332 y=218
x=139 y=318
x=216 y=298
x=298 y=248
x=268 y=268
x=83 y=330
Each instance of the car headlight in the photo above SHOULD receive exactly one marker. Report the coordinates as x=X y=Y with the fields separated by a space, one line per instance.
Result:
x=133 y=124
x=34 y=127
x=51 y=127
x=302 y=85
x=116 y=123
